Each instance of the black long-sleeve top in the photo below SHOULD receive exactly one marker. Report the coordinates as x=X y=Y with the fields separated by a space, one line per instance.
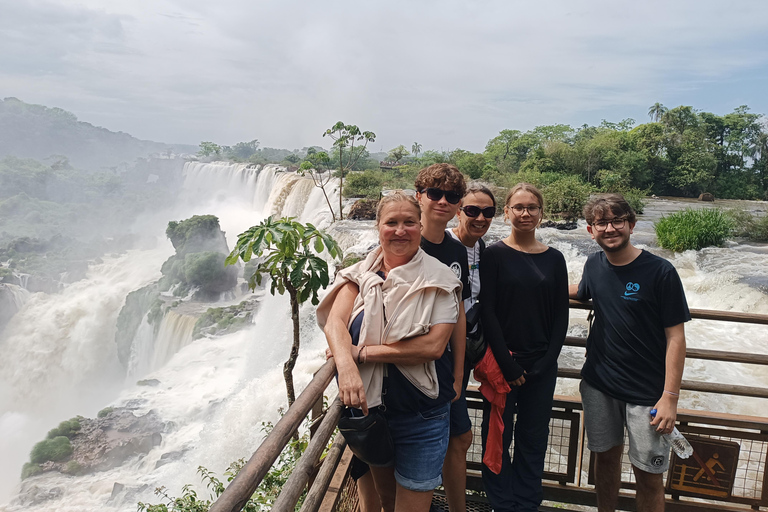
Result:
x=524 y=300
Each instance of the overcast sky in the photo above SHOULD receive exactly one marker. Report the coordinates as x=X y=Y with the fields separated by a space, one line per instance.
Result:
x=445 y=74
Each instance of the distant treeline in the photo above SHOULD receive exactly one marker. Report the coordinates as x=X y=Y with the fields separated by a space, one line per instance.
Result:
x=680 y=152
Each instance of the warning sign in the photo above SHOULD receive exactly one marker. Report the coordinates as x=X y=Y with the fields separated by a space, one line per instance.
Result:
x=709 y=472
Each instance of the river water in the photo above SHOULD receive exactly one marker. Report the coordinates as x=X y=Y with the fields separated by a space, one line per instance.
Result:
x=60 y=358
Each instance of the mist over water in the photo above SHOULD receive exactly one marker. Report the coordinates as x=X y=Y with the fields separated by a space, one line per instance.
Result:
x=60 y=357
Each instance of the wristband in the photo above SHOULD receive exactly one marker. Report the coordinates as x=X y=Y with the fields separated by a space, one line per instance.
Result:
x=365 y=359
x=359 y=353
x=671 y=393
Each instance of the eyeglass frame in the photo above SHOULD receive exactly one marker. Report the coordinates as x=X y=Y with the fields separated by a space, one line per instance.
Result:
x=432 y=194
x=524 y=209
x=482 y=211
x=612 y=222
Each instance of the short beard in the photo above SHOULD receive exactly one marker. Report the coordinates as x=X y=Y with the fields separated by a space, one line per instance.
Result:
x=617 y=248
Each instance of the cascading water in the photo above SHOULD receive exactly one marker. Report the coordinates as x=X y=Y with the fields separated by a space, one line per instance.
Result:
x=59 y=355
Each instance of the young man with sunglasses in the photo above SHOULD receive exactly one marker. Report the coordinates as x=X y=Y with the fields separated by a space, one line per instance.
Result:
x=635 y=354
x=440 y=188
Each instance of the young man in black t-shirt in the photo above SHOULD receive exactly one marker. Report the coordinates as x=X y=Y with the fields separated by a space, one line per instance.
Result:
x=635 y=354
x=440 y=188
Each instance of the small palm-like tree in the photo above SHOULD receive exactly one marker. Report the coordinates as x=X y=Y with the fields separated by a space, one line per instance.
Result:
x=290 y=252
x=416 y=149
x=657 y=111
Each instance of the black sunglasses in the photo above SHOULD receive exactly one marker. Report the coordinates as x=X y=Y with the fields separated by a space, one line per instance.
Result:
x=473 y=211
x=437 y=194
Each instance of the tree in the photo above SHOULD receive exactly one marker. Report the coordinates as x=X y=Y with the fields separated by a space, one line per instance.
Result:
x=680 y=119
x=657 y=111
x=316 y=165
x=416 y=149
x=209 y=148
x=244 y=150
x=290 y=252
x=345 y=136
x=397 y=154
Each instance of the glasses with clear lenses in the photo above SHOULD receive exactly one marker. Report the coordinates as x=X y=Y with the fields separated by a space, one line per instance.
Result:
x=436 y=194
x=474 y=211
x=518 y=209
x=602 y=225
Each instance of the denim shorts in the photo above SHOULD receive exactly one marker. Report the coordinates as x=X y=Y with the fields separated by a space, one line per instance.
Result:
x=604 y=420
x=421 y=441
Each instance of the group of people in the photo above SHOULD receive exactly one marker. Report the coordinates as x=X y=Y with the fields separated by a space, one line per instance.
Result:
x=402 y=323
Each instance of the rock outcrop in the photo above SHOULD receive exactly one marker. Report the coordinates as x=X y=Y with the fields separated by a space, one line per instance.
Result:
x=107 y=442
x=364 y=209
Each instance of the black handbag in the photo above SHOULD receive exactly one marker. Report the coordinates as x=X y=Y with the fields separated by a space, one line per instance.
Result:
x=476 y=344
x=368 y=437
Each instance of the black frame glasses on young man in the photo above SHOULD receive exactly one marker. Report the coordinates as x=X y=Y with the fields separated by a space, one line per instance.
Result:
x=436 y=194
x=518 y=209
x=488 y=212
x=602 y=225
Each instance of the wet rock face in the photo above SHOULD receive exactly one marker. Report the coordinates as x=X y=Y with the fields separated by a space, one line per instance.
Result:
x=364 y=209
x=107 y=442
x=564 y=225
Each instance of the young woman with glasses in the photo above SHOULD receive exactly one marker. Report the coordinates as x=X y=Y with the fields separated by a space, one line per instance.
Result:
x=525 y=317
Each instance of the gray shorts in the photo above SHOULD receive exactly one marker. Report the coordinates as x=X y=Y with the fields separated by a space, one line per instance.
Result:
x=605 y=418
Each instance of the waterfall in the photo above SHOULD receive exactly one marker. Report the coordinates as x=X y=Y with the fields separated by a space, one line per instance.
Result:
x=175 y=333
x=59 y=352
x=142 y=349
x=271 y=190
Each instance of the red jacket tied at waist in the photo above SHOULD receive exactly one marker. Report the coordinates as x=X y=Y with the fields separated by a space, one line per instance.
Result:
x=494 y=388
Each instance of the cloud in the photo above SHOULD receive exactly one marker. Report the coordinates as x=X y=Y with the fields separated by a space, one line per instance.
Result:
x=448 y=74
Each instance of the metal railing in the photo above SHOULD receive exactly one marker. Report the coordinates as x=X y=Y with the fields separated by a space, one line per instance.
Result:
x=569 y=477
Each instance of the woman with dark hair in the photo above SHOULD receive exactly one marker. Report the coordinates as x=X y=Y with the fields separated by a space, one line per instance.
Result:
x=525 y=317
x=392 y=314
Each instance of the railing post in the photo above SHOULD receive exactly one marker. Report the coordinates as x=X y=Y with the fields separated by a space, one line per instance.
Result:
x=238 y=492
x=296 y=483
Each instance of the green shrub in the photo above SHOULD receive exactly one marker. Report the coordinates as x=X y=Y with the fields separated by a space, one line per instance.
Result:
x=66 y=428
x=207 y=270
x=30 y=469
x=364 y=184
x=105 y=412
x=760 y=230
x=693 y=229
x=51 y=449
x=565 y=197
x=742 y=222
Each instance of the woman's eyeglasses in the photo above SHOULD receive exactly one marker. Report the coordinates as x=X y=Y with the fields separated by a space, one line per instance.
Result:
x=436 y=194
x=519 y=209
x=602 y=225
x=473 y=211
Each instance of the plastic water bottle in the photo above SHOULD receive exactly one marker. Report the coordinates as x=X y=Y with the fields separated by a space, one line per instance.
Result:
x=677 y=441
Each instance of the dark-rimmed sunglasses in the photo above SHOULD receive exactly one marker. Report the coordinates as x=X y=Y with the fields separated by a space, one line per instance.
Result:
x=473 y=211
x=436 y=194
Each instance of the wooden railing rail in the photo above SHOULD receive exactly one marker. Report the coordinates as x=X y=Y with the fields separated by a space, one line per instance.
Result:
x=316 y=493
x=238 y=492
x=703 y=314
x=305 y=467
x=696 y=353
